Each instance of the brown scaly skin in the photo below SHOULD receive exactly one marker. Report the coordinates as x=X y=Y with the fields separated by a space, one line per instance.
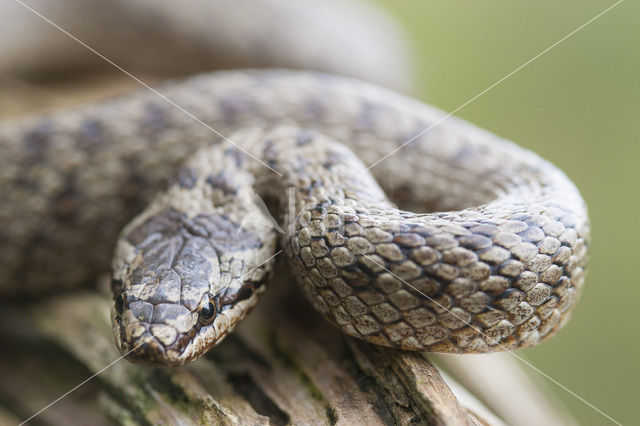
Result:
x=499 y=268
x=499 y=275
x=503 y=263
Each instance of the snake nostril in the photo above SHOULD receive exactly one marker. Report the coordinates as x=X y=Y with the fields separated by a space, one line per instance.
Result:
x=119 y=304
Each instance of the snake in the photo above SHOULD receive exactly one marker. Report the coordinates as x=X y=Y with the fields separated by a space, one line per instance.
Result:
x=402 y=226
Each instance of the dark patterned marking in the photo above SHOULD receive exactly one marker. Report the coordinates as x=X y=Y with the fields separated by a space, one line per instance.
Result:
x=334 y=157
x=37 y=140
x=475 y=242
x=165 y=222
x=238 y=156
x=154 y=119
x=234 y=107
x=226 y=235
x=91 y=135
x=366 y=119
x=417 y=129
x=304 y=137
x=316 y=108
x=67 y=202
x=235 y=295
x=133 y=186
x=224 y=182
x=467 y=154
x=269 y=152
x=186 y=178
x=222 y=233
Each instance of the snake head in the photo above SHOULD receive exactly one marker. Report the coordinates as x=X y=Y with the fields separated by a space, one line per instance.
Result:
x=180 y=285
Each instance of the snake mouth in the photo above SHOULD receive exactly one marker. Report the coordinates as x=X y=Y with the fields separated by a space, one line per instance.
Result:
x=161 y=344
x=149 y=347
x=151 y=343
x=145 y=349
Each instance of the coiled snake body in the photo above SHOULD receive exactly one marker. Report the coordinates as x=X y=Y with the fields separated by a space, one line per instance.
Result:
x=496 y=262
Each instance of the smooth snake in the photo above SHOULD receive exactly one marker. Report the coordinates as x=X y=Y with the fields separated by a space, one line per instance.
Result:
x=496 y=261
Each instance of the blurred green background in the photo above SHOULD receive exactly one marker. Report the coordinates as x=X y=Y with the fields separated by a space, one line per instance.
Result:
x=578 y=105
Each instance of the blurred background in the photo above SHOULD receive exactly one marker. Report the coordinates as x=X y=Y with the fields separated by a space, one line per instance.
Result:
x=578 y=106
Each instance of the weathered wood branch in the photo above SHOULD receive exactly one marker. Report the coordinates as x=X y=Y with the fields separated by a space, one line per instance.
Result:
x=283 y=366
x=516 y=391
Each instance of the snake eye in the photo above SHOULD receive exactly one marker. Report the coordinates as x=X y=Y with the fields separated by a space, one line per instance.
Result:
x=208 y=309
x=119 y=304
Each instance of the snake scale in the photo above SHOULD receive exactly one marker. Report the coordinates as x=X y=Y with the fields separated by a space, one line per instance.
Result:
x=494 y=260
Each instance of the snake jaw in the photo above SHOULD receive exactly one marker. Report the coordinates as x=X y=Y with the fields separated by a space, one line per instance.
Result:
x=150 y=343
